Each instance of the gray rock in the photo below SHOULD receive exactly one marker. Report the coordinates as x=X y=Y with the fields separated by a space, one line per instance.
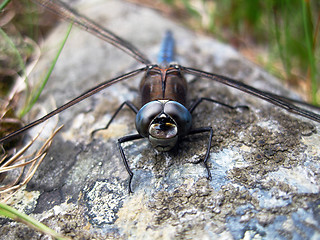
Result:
x=264 y=161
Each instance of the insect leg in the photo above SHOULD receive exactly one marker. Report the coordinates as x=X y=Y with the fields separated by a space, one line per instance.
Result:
x=201 y=130
x=123 y=156
x=209 y=129
x=128 y=103
x=198 y=101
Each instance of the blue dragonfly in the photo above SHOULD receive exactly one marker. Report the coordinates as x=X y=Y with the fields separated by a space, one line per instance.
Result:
x=164 y=117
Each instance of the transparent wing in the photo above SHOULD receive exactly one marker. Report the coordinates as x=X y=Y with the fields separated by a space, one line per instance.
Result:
x=272 y=98
x=65 y=12
x=74 y=101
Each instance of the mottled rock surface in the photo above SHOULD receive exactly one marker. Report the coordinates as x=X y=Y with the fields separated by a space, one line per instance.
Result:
x=264 y=161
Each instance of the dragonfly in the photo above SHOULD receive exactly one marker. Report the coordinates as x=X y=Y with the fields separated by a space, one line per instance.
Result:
x=164 y=117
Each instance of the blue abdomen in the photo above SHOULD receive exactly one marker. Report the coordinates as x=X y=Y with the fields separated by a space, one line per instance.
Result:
x=166 y=54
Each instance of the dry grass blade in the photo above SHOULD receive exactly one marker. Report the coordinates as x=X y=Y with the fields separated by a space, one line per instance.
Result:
x=19 y=169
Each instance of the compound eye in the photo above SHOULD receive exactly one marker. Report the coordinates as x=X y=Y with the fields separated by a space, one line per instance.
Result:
x=180 y=115
x=145 y=116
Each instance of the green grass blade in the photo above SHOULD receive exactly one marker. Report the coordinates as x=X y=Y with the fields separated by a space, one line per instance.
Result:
x=37 y=94
x=190 y=9
x=15 y=215
x=4 y=4
x=309 y=48
x=17 y=55
x=14 y=49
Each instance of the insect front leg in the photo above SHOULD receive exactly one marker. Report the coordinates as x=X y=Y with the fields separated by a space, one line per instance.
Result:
x=123 y=139
x=205 y=160
x=209 y=129
x=123 y=156
x=128 y=103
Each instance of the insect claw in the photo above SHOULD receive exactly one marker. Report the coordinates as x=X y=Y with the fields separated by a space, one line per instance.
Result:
x=129 y=187
x=209 y=177
x=242 y=108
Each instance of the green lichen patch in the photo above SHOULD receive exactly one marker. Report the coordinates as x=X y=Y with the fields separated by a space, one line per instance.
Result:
x=103 y=200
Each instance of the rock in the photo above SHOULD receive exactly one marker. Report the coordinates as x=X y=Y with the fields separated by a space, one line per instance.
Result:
x=264 y=162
